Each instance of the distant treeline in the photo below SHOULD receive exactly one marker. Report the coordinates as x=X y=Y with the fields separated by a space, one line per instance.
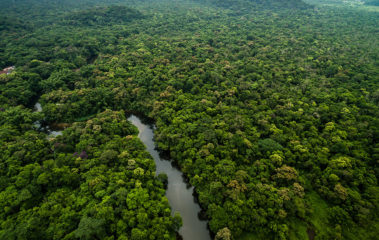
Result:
x=272 y=4
x=372 y=2
x=102 y=15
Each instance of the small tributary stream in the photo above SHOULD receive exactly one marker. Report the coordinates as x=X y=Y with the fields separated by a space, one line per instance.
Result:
x=51 y=132
x=178 y=193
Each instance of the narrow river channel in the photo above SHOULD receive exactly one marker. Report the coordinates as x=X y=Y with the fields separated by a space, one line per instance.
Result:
x=178 y=194
x=50 y=132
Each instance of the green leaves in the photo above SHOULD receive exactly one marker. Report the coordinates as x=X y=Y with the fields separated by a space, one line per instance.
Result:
x=90 y=228
x=71 y=196
x=260 y=104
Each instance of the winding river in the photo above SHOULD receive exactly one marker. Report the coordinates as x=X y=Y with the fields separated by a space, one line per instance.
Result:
x=178 y=193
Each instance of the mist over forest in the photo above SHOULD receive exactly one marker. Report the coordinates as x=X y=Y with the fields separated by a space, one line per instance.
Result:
x=269 y=109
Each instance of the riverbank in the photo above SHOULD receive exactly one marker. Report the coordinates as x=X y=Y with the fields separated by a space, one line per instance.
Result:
x=179 y=193
x=52 y=130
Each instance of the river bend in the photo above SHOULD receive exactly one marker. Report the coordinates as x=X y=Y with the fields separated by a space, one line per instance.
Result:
x=179 y=195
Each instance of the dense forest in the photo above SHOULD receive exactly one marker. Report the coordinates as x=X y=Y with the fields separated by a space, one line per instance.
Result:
x=269 y=108
x=372 y=2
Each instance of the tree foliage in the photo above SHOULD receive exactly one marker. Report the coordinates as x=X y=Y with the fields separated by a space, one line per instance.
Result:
x=270 y=109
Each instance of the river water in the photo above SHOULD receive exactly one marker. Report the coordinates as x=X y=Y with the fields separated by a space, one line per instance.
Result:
x=178 y=193
x=51 y=133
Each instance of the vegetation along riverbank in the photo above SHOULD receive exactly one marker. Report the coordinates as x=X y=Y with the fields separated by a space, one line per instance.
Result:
x=270 y=109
